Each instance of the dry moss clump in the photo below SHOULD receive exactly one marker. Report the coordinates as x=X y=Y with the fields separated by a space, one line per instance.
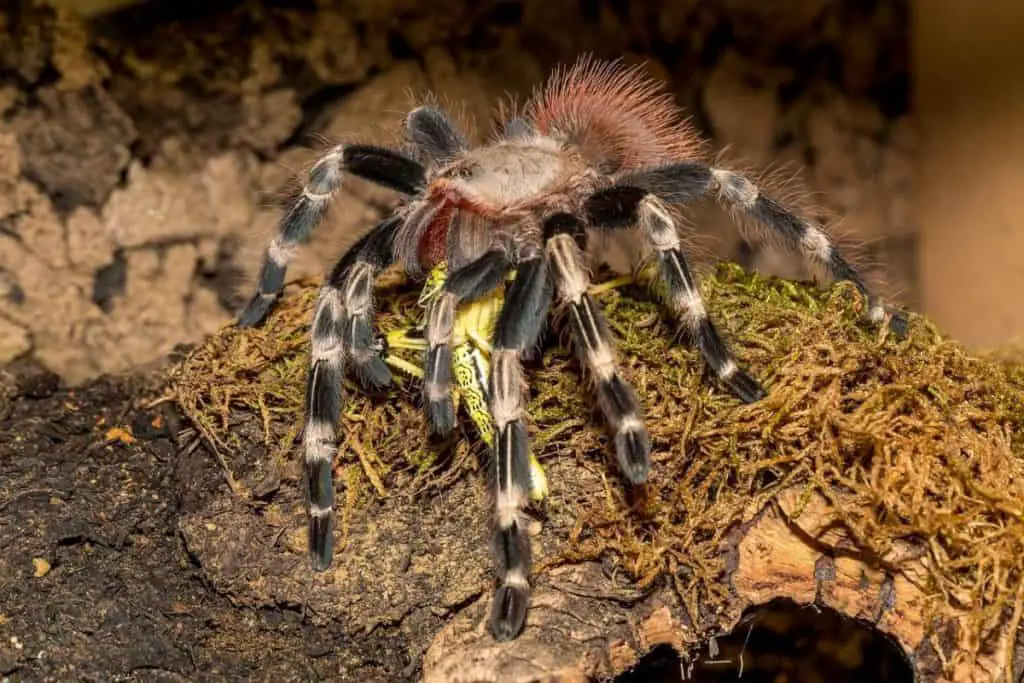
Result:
x=913 y=440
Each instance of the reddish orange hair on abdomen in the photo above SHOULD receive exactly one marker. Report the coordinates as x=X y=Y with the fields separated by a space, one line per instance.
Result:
x=618 y=116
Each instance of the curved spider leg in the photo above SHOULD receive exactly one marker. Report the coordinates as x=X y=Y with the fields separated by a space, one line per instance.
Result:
x=382 y=166
x=341 y=331
x=472 y=281
x=516 y=334
x=594 y=344
x=685 y=181
x=679 y=291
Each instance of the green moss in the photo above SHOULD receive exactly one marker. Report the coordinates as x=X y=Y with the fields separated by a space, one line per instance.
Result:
x=911 y=439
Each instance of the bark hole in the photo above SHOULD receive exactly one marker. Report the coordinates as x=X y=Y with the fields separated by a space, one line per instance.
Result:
x=782 y=641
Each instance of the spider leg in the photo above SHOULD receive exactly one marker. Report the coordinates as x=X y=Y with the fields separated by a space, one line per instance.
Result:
x=686 y=181
x=595 y=347
x=474 y=280
x=516 y=334
x=342 y=331
x=385 y=167
x=473 y=385
x=435 y=134
x=680 y=292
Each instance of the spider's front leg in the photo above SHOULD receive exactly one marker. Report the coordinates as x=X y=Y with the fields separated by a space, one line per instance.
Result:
x=385 y=167
x=342 y=332
x=595 y=346
x=471 y=349
x=473 y=281
x=517 y=333
x=519 y=326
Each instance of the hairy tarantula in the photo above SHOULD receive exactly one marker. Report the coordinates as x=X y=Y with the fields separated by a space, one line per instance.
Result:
x=598 y=150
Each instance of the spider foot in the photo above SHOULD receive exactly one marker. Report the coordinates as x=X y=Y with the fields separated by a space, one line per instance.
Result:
x=745 y=387
x=899 y=324
x=256 y=310
x=633 y=448
x=321 y=538
x=441 y=415
x=508 y=613
x=372 y=371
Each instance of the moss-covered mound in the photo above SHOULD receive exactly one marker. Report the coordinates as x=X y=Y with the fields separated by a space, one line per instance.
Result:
x=913 y=440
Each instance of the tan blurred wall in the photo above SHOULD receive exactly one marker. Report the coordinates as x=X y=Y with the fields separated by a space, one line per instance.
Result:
x=969 y=74
x=91 y=7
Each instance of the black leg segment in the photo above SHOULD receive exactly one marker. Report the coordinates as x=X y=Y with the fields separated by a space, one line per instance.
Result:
x=385 y=167
x=517 y=332
x=474 y=280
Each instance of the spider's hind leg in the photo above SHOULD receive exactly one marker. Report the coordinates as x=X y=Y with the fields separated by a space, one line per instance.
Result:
x=683 y=182
x=780 y=225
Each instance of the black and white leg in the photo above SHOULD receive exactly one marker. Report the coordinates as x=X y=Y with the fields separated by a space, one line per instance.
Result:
x=684 y=300
x=681 y=295
x=686 y=181
x=342 y=333
x=594 y=345
x=474 y=280
x=385 y=167
x=518 y=329
x=783 y=226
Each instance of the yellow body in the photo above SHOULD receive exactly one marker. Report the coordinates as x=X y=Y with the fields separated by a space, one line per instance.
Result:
x=471 y=349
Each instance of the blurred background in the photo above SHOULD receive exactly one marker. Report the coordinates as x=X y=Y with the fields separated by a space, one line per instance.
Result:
x=145 y=146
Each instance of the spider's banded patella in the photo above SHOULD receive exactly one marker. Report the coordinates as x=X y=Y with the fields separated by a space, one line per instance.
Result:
x=598 y=149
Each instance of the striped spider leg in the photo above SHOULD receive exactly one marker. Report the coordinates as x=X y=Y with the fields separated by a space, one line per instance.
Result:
x=383 y=166
x=640 y=196
x=342 y=333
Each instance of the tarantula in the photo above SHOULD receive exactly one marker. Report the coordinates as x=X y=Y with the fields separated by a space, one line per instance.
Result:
x=599 y=149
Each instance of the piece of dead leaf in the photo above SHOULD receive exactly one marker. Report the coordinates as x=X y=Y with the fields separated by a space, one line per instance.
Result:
x=42 y=567
x=120 y=434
